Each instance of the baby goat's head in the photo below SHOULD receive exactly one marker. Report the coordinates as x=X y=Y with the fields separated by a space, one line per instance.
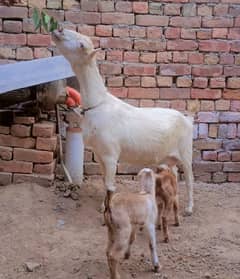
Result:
x=75 y=47
x=147 y=180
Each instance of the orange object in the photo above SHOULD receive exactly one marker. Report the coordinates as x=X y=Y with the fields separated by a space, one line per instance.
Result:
x=73 y=97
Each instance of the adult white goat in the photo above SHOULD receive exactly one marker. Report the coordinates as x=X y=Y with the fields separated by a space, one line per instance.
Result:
x=118 y=131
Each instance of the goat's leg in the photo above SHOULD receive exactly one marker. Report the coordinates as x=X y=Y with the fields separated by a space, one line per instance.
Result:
x=131 y=239
x=166 y=212
x=175 y=209
x=153 y=246
x=187 y=169
x=159 y=219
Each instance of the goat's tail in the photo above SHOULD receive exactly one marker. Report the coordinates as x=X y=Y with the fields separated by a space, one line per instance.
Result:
x=147 y=181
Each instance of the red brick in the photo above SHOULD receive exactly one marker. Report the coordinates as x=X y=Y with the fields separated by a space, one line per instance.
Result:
x=203 y=177
x=149 y=20
x=24 y=53
x=172 y=33
x=120 y=92
x=231 y=94
x=207 y=105
x=164 y=57
x=121 y=31
x=131 y=56
x=87 y=29
x=90 y=6
x=115 y=81
x=217 y=82
x=172 y=9
x=140 y=69
x=55 y=4
x=211 y=59
x=45 y=129
x=24 y=120
x=12 y=39
x=214 y=45
x=41 y=52
x=180 y=57
x=213 y=130
x=154 y=32
x=226 y=58
x=224 y=156
x=182 y=45
x=195 y=58
x=127 y=169
x=180 y=21
x=188 y=34
x=233 y=10
x=220 y=33
x=179 y=105
x=184 y=82
x=5 y=178
x=116 y=43
x=19 y=130
x=146 y=103
x=189 y=9
x=233 y=82
x=222 y=131
x=8 y=140
x=123 y=6
x=4 y=130
x=231 y=167
x=37 y=3
x=232 y=71
x=5 y=153
x=174 y=93
x=148 y=82
x=210 y=155
x=132 y=81
x=164 y=81
x=147 y=57
x=217 y=22
x=233 y=177
x=235 y=46
x=234 y=33
x=235 y=156
x=231 y=144
x=48 y=144
x=207 y=71
x=222 y=105
x=115 y=55
x=83 y=17
x=206 y=93
x=207 y=166
x=204 y=10
x=137 y=32
x=220 y=10
x=41 y=179
x=31 y=155
x=235 y=105
x=151 y=45
x=132 y=102
x=208 y=144
x=91 y=168
x=16 y=166
x=232 y=131
x=219 y=177
x=175 y=69
x=38 y=40
x=11 y=26
x=237 y=21
x=200 y=82
x=110 y=68
x=106 y=6
x=117 y=18
x=57 y=14
x=140 y=7
x=202 y=130
x=204 y=34
x=229 y=117
x=45 y=168
x=143 y=93
x=162 y=104
x=13 y=12
x=208 y=117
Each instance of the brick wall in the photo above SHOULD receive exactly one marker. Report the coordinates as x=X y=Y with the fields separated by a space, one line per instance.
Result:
x=155 y=53
x=27 y=152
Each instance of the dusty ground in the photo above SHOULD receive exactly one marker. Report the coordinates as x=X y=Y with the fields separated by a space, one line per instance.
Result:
x=67 y=239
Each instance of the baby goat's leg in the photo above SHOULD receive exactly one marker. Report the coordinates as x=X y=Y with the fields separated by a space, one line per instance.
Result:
x=153 y=246
x=159 y=219
x=131 y=239
x=166 y=211
x=175 y=209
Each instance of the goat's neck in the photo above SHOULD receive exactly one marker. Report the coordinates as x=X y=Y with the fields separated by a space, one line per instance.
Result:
x=92 y=88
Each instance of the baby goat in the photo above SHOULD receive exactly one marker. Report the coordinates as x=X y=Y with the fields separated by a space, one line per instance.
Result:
x=124 y=213
x=166 y=197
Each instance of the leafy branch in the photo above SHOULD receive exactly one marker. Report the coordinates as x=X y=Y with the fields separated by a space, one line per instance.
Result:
x=42 y=19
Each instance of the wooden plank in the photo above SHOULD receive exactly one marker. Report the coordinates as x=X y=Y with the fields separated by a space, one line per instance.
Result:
x=29 y=73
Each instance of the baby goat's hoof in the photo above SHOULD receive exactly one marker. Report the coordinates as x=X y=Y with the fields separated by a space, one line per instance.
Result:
x=188 y=211
x=157 y=268
x=126 y=255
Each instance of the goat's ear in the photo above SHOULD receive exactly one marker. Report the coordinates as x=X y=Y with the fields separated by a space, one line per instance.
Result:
x=93 y=53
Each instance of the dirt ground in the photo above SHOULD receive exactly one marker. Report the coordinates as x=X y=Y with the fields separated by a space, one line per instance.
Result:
x=66 y=237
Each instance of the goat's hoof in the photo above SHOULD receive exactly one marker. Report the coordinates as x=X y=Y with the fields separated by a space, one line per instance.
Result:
x=166 y=240
x=157 y=268
x=188 y=211
x=126 y=255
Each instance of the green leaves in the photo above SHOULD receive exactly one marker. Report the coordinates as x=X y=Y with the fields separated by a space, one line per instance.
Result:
x=42 y=19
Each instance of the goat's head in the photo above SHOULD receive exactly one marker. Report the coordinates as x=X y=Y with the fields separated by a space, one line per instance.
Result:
x=75 y=47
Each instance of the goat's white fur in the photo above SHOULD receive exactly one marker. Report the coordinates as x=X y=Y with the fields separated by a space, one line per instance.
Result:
x=116 y=130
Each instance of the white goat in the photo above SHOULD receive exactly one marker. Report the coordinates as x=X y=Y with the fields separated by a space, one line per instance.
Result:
x=124 y=213
x=116 y=130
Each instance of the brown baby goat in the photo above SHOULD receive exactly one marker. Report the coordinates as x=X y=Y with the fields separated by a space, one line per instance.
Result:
x=166 y=197
x=124 y=213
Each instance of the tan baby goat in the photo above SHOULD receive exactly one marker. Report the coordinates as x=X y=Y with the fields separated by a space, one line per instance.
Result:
x=124 y=213
x=166 y=197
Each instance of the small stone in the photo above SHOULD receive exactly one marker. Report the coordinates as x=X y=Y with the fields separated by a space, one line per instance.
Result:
x=31 y=266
